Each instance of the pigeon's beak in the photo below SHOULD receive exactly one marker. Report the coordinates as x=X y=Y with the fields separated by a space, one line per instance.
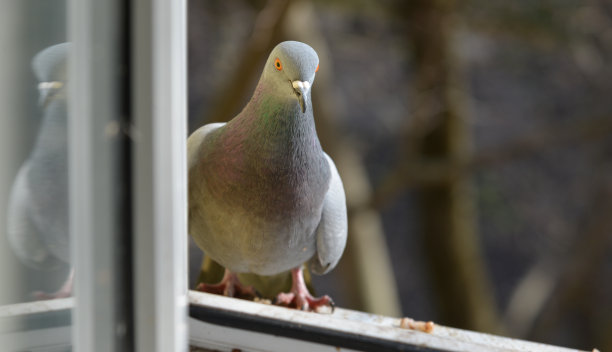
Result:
x=301 y=89
x=46 y=90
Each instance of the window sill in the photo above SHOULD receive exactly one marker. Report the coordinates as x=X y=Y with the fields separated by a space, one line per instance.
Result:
x=228 y=324
x=223 y=323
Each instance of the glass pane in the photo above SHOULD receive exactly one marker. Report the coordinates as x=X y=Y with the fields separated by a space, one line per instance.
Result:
x=34 y=237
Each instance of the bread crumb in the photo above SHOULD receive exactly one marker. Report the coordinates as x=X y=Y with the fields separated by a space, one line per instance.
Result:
x=262 y=300
x=424 y=326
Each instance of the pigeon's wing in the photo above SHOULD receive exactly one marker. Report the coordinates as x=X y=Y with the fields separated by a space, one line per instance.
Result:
x=332 y=229
x=194 y=155
x=24 y=236
x=195 y=140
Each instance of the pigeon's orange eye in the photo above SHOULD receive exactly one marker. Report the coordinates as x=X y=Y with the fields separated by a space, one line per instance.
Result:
x=278 y=64
x=317 y=69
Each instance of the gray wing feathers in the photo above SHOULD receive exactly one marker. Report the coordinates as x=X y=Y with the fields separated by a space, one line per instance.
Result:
x=195 y=140
x=25 y=238
x=333 y=227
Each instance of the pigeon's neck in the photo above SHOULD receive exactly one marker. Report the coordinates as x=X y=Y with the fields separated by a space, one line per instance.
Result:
x=275 y=128
x=271 y=148
x=52 y=138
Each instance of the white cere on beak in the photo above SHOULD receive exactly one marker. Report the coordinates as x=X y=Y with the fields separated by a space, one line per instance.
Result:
x=303 y=85
x=47 y=90
x=50 y=85
x=301 y=90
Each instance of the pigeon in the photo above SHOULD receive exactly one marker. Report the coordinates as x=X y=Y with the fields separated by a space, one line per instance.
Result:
x=264 y=198
x=37 y=218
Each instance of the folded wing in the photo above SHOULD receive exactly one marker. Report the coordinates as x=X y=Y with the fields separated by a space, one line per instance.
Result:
x=333 y=227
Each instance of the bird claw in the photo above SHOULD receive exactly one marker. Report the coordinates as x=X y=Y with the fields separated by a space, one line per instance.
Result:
x=321 y=302
x=230 y=286
x=64 y=292
x=304 y=301
x=217 y=289
x=300 y=298
x=284 y=299
x=41 y=295
x=229 y=290
x=332 y=305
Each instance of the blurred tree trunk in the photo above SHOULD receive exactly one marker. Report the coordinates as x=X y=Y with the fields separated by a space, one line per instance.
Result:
x=267 y=32
x=464 y=295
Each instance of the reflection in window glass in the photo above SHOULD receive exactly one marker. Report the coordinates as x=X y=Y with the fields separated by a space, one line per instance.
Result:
x=34 y=238
x=37 y=215
x=34 y=244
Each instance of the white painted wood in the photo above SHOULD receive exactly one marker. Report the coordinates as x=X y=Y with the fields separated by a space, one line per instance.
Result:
x=48 y=340
x=376 y=326
x=160 y=179
x=217 y=337
x=96 y=91
x=13 y=310
x=43 y=340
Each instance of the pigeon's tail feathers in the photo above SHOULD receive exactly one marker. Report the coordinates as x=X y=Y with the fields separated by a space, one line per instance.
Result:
x=332 y=230
x=24 y=237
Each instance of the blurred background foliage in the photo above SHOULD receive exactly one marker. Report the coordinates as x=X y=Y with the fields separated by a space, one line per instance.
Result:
x=474 y=139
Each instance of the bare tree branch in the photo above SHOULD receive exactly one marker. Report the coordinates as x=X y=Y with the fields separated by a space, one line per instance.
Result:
x=592 y=242
x=463 y=292
x=422 y=172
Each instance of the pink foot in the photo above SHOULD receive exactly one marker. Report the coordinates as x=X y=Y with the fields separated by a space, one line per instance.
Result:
x=64 y=292
x=41 y=295
x=300 y=298
x=229 y=286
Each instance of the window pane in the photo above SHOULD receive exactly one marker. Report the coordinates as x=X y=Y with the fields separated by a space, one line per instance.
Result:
x=35 y=255
x=34 y=243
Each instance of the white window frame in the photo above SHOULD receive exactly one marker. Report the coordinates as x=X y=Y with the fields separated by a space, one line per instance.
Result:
x=225 y=324
x=146 y=38
x=160 y=94
x=97 y=178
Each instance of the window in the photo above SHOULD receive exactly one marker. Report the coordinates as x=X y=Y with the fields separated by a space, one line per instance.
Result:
x=110 y=118
x=34 y=248
x=92 y=184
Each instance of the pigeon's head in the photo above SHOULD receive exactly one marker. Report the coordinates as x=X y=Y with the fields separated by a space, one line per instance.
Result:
x=51 y=68
x=291 y=69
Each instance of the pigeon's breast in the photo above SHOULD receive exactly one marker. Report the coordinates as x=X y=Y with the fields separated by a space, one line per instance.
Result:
x=258 y=196
x=262 y=217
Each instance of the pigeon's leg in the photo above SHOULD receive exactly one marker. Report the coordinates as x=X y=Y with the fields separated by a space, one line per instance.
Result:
x=299 y=297
x=63 y=292
x=229 y=286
